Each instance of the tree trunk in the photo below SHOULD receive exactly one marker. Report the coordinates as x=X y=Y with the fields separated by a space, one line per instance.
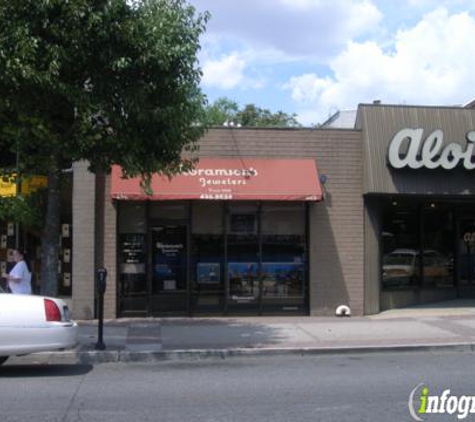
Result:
x=50 y=238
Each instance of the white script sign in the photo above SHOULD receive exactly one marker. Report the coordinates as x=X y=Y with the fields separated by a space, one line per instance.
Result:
x=432 y=154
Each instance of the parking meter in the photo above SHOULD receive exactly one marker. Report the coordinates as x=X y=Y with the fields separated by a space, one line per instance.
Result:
x=101 y=280
x=101 y=289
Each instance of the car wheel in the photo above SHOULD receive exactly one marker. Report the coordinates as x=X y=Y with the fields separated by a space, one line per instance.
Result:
x=3 y=359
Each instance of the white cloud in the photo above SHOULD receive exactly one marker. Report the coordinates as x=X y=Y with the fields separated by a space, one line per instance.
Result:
x=301 y=4
x=224 y=73
x=232 y=71
x=312 y=28
x=431 y=63
x=433 y=4
x=307 y=87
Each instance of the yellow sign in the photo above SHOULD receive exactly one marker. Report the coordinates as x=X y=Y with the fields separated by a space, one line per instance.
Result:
x=33 y=183
x=8 y=186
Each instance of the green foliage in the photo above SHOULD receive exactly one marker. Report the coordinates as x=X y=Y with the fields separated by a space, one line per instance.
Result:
x=26 y=210
x=221 y=111
x=225 y=111
x=109 y=81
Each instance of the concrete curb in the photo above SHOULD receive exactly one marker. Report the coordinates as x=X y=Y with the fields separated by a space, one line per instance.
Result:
x=124 y=356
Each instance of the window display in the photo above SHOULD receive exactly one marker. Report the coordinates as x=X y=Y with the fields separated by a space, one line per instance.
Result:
x=282 y=280
x=132 y=264
x=243 y=280
x=238 y=258
x=208 y=273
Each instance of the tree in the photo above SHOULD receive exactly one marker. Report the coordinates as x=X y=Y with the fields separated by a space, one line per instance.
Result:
x=225 y=111
x=108 y=81
x=221 y=111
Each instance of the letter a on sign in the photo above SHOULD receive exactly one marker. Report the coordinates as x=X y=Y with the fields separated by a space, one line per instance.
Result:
x=414 y=137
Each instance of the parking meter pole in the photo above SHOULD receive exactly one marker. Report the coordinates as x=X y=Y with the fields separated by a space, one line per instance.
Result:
x=101 y=289
x=100 y=334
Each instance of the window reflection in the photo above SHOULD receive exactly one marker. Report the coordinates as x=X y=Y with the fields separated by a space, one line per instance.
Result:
x=413 y=256
x=401 y=261
x=466 y=240
x=438 y=246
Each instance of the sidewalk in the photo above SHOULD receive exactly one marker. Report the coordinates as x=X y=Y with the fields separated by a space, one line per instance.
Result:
x=448 y=326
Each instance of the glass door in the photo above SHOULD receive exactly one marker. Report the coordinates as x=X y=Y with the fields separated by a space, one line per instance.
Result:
x=283 y=274
x=169 y=270
x=133 y=294
x=466 y=261
x=243 y=266
x=207 y=258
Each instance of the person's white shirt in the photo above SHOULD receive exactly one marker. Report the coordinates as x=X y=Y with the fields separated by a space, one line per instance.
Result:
x=20 y=271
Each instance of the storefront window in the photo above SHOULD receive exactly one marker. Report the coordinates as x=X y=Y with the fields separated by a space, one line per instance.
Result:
x=242 y=257
x=438 y=243
x=207 y=255
x=418 y=245
x=466 y=247
x=400 y=238
x=132 y=256
x=243 y=252
x=283 y=250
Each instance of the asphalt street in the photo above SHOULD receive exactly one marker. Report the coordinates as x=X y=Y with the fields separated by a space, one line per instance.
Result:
x=268 y=388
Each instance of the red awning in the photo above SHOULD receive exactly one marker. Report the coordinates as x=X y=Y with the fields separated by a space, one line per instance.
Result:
x=229 y=179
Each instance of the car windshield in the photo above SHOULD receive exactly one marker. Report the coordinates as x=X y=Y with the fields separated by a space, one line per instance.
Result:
x=398 y=259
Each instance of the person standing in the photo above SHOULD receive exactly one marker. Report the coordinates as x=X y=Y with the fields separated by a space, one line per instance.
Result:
x=19 y=278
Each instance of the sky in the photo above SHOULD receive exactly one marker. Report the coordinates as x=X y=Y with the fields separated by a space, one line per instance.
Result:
x=315 y=57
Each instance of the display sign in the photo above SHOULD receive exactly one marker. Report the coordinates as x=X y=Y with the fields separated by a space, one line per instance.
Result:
x=65 y=230
x=132 y=248
x=169 y=258
x=8 y=185
x=408 y=149
x=32 y=184
x=208 y=273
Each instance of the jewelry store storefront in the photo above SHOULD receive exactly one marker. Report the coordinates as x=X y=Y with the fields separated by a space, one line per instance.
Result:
x=228 y=237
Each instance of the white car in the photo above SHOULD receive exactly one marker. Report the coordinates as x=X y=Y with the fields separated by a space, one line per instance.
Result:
x=402 y=267
x=30 y=324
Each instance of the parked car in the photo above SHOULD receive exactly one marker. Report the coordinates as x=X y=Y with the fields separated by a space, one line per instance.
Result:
x=402 y=267
x=30 y=324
